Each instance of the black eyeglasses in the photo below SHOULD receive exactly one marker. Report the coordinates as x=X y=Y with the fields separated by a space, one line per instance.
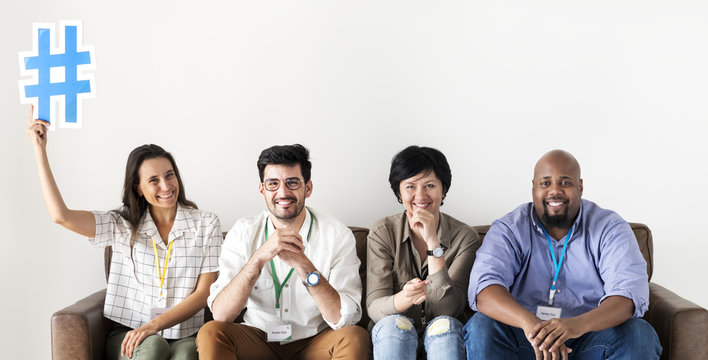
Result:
x=274 y=184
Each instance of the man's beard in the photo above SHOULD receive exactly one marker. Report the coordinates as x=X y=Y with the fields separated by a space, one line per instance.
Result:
x=561 y=221
x=287 y=217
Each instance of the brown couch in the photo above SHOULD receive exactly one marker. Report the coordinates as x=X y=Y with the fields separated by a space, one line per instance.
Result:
x=79 y=330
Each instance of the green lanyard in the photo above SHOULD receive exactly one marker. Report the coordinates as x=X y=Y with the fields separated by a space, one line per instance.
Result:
x=278 y=286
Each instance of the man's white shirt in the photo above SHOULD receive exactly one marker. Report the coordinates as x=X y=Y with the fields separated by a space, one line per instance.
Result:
x=332 y=250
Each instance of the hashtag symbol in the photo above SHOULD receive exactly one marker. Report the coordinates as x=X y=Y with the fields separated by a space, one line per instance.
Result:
x=48 y=88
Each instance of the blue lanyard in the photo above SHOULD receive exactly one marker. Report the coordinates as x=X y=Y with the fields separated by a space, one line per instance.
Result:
x=557 y=265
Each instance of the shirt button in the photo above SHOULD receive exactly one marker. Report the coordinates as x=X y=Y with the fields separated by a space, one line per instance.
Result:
x=286 y=310
x=287 y=285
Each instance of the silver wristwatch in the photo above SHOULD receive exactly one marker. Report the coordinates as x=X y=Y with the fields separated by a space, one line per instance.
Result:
x=437 y=252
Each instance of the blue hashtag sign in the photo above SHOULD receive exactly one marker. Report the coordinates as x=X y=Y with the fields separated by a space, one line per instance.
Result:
x=50 y=86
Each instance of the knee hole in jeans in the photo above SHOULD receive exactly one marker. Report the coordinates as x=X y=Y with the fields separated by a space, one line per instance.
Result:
x=439 y=327
x=403 y=323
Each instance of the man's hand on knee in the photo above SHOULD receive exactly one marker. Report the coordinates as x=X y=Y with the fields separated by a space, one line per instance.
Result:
x=549 y=337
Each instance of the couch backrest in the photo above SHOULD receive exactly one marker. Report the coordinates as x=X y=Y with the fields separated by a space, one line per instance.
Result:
x=360 y=234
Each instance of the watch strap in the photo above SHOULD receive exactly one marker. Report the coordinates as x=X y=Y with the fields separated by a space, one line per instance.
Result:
x=430 y=252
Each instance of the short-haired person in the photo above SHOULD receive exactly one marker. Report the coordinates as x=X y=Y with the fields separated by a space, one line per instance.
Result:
x=165 y=253
x=559 y=278
x=294 y=269
x=418 y=264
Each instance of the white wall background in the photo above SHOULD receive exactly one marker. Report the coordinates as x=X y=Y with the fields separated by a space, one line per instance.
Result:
x=623 y=85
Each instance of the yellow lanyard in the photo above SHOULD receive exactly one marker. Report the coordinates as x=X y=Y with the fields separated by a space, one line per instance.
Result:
x=162 y=274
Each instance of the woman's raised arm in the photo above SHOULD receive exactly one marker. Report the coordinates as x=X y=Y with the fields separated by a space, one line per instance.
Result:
x=78 y=221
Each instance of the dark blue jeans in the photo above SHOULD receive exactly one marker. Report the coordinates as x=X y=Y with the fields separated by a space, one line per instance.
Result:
x=486 y=338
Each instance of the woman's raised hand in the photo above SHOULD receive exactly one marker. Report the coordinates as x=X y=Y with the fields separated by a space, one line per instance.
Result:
x=37 y=130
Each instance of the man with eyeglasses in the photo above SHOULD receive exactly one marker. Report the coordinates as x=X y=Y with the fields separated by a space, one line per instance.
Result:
x=294 y=270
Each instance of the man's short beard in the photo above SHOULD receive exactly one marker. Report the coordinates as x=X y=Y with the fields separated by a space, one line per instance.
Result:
x=561 y=221
x=291 y=217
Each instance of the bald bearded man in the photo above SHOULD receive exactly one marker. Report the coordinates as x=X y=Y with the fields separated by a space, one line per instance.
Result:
x=559 y=278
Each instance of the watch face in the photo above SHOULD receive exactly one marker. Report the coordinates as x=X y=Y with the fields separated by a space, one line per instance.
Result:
x=313 y=279
x=438 y=252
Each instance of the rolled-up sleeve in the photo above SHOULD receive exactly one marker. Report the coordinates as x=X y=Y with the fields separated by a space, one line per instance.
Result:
x=446 y=289
x=231 y=260
x=212 y=246
x=344 y=278
x=497 y=260
x=623 y=268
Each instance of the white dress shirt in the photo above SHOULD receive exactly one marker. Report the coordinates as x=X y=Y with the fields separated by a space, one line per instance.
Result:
x=332 y=250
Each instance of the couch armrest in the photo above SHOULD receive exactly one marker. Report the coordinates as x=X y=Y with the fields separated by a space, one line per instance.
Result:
x=79 y=330
x=681 y=325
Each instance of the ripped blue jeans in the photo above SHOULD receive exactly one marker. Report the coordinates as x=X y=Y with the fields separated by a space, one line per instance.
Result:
x=394 y=337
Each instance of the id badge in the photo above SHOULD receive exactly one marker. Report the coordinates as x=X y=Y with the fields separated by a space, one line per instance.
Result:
x=279 y=331
x=159 y=306
x=160 y=302
x=157 y=311
x=548 y=312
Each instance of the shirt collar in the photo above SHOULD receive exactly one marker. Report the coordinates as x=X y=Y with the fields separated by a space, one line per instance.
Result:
x=304 y=228
x=535 y=221
x=183 y=223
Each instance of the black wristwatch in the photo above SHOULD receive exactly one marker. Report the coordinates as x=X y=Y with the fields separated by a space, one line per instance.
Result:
x=437 y=252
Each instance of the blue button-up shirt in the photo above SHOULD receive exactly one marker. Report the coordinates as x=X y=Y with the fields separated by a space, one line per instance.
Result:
x=602 y=259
